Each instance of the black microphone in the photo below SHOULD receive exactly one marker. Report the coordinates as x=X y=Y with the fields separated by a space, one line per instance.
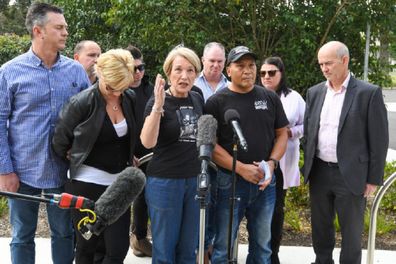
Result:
x=231 y=116
x=206 y=136
x=206 y=140
x=117 y=198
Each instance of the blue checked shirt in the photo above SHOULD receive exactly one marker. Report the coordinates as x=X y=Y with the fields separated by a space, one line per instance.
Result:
x=207 y=91
x=30 y=98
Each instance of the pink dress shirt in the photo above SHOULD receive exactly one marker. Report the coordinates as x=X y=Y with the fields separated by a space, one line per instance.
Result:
x=329 y=120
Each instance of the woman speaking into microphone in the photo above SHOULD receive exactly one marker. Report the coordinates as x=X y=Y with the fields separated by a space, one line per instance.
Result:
x=170 y=128
x=97 y=133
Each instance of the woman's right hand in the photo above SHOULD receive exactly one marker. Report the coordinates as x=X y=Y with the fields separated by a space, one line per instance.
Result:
x=159 y=92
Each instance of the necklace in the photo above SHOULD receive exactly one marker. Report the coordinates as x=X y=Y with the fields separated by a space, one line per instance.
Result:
x=115 y=107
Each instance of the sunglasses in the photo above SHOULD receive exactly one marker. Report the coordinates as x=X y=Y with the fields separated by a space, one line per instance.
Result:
x=140 y=67
x=271 y=73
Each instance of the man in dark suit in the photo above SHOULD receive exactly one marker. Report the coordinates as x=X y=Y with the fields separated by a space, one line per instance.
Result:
x=345 y=145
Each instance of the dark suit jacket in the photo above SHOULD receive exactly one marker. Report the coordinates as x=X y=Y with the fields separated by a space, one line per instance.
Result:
x=362 y=133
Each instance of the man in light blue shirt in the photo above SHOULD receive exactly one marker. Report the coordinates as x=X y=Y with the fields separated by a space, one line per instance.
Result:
x=210 y=81
x=212 y=78
x=33 y=88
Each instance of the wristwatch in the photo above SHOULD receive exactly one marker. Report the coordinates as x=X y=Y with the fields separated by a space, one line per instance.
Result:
x=276 y=162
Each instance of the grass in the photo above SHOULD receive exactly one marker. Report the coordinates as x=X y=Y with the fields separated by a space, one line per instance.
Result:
x=3 y=206
x=393 y=77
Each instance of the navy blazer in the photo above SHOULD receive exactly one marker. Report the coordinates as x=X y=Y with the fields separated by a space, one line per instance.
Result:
x=363 y=135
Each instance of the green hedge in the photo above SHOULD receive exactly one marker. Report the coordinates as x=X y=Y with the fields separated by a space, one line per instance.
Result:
x=299 y=197
x=12 y=45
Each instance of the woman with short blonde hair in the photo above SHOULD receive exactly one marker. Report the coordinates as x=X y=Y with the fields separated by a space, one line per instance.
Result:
x=116 y=68
x=170 y=128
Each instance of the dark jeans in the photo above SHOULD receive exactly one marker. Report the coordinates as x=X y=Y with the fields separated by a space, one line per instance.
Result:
x=114 y=239
x=257 y=206
x=278 y=217
x=140 y=214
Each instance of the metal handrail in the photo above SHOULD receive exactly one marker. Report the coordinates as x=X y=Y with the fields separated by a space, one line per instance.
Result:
x=373 y=217
x=145 y=158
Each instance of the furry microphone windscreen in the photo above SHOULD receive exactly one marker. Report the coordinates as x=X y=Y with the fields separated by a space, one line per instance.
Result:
x=119 y=196
x=206 y=136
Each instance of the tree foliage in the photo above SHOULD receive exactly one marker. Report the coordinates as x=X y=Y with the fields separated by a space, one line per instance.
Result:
x=292 y=29
x=12 y=17
x=12 y=45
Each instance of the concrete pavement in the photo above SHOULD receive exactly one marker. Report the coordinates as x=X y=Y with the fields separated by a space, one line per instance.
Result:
x=288 y=255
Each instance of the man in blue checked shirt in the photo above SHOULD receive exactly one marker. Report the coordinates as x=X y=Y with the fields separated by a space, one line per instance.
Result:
x=33 y=88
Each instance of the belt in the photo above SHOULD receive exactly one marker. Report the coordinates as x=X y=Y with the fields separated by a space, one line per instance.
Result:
x=327 y=163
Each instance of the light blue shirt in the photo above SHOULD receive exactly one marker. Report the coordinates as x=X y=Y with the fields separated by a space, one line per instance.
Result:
x=207 y=91
x=30 y=98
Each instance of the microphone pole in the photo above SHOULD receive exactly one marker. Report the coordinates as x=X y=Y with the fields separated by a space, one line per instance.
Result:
x=202 y=190
x=230 y=254
x=26 y=197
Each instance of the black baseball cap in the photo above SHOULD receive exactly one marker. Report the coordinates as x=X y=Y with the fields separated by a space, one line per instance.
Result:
x=237 y=52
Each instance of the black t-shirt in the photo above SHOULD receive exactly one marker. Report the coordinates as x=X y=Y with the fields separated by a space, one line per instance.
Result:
x=176 y=154
x=261 y=112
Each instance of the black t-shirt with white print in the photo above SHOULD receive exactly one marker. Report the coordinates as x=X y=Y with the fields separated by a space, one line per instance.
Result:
x=261 y=112
x=176 y=154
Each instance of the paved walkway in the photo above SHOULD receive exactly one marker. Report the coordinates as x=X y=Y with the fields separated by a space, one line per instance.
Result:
x=288 y=255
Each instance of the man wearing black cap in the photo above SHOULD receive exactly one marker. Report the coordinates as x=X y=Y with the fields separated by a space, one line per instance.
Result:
x=263 y=123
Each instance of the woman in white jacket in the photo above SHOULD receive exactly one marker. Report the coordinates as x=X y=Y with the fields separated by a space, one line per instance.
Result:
x=273 y=78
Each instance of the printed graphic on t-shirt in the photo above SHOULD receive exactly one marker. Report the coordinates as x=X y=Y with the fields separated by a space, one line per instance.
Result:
x=260 y=105
x=188 y=121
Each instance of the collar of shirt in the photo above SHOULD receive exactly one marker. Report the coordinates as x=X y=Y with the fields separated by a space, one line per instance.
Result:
x=223 y=79
x=38 y=62
x=343 y=86
x=203 y=84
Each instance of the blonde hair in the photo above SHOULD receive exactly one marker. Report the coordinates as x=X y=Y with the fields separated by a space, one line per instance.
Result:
x=116 y=68
x=184 y=52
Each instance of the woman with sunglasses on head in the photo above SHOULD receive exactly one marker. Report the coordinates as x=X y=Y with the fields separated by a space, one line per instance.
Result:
x=170 y=128
x=96 y=132
x=273 y=78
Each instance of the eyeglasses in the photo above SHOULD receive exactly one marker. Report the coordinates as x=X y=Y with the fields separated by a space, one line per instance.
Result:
x=271 y=73
x=140 y=67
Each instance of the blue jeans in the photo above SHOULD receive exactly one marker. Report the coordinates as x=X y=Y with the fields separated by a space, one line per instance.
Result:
x=23 y=218
x=174 y=215
x=256 y=205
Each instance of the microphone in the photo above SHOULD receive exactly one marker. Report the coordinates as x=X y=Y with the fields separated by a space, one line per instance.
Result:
x=231 y=116
x=206 y=140
x=206 y=136
x=115 y=200
x=67 y=201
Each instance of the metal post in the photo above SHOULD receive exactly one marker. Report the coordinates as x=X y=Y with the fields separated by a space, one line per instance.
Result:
x=366 y=53
x=230 y=244
x=373 y=217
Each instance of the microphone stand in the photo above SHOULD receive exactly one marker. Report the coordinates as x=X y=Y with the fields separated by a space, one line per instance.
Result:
x=202 y=190
x=230 y=254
